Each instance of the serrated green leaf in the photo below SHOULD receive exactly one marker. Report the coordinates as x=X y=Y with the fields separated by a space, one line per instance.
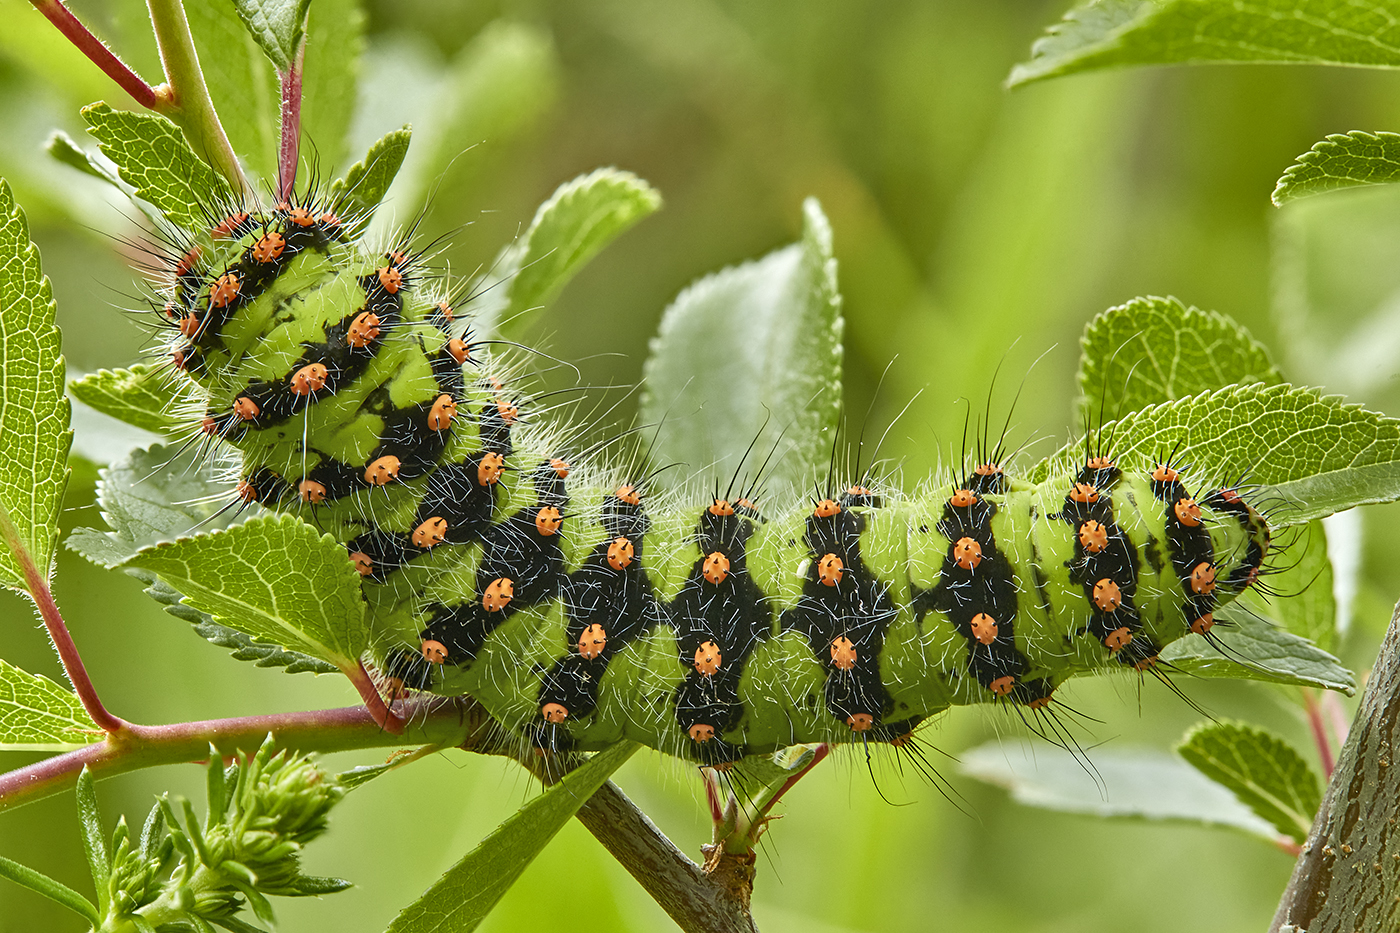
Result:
x=1116 y=33
x=1135 y=783
x=48 y=887
x=275 y=578
x=1342 y=161
x=34 y=412
x=1154 y=350
x=1254 y=649
x=579 y=219
x=277 y=26
x=37 y=714
x=364 y=186
x=751 y=356
x=1261 y=769
x=153 y=157
x=459 y=900
x=1309 y=455
x=94 y=837
x=144 y=396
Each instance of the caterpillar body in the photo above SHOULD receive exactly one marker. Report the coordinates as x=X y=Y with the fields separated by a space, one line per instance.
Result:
x=581 y=609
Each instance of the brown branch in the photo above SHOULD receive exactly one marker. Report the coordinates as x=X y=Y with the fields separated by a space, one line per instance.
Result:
x=96 y=51
x=1348 y=876
x=457 y=721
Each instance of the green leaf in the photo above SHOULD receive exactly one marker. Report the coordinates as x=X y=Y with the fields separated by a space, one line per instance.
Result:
x=94 y=838
x=241 y=83
x=53 y=890
x=1262 y=770
x=34 y=412
x=335 y=41
x=37 y=714
x=1154 y=350
x=144 y=396
x=1255 y=649
x=751 y=356
x=274 y=577
x=364 y=186
x=578 y=220
x=153 y=157
x=1115 y=33
x=1309 y=455
x=1342 y=161
x=1136 y=783
x=63 y=149
x=277 y=26
x=462 y=897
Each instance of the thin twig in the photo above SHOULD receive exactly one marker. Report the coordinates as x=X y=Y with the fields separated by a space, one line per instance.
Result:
x=1319 y=732
x=96 y=50
x=290 y=152
x=58 y=630
x=385 y=717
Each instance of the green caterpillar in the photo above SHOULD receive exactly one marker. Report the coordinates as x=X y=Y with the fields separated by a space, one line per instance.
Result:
x=580 y=609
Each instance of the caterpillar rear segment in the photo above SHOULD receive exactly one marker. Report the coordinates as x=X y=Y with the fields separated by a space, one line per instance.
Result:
x=580 y=614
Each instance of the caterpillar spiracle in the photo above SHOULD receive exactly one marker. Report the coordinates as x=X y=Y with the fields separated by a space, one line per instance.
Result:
x=581 y=609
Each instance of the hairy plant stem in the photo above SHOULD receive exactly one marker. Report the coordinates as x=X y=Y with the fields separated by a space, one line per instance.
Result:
x=184 y=98
x=290 y=152
x=97 y=52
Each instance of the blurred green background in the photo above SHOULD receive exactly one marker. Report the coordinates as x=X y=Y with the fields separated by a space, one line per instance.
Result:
x=972 y=226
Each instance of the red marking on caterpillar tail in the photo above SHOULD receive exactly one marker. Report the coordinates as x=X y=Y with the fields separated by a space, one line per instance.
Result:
x=1003 y=686
x=860 y=722
x=390 y=279
x=445 y=309
x=1203 y=624
x=967 y=553
x=187 y=262
x=560 y=468
x=962 y=498
x=396 y=257
x=1099 y=463
x=620 y=553
x=434 y=652
x=547 y=521
x=229 y=225
x=489 y=471
x=498 y=594
x=1229 y=495
x=179 y=357
x=224 y=290
x=858 y=491
x=430 y=533
x=1084 y=493
x=721 y=508
x=269 y=247
x=984 y=628
x=457 y=348
x=246 y=491
x=312 y=491
x=329 y=219
x=189 y=326
x=1203 y=578
x=1165 y=474
x=364 y=330
x=209 y=425
x=716 y=567
x=592 y=642
x=843 y=653
x=383 y=470
x=245 y=408
x=826 y=508
x=310 y=378
x=1117 y=639
x=170 y=312
x=1093 y=536
x=364 y=564
x=554 y=712
x=745 y=504
x=628 y=495
x=1146 y=663
x=1039 y=703
x=701 y=733
x=297 y=215
x=443 y=411
x=1187 y=511
x=829 y=569
x=987 y=469
x=707 y=659
x=508 y=412
x=1107 y=596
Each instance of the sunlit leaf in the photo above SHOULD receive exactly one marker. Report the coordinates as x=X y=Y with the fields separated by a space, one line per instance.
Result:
x=37 y=714
x=1342 y=161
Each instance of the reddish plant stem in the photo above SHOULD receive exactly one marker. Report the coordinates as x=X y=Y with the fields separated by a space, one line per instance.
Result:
x=385 y=717
x=96 y=51
x=822 y=751
x=1319 y=731
x=430 y=720
x=290 y=152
